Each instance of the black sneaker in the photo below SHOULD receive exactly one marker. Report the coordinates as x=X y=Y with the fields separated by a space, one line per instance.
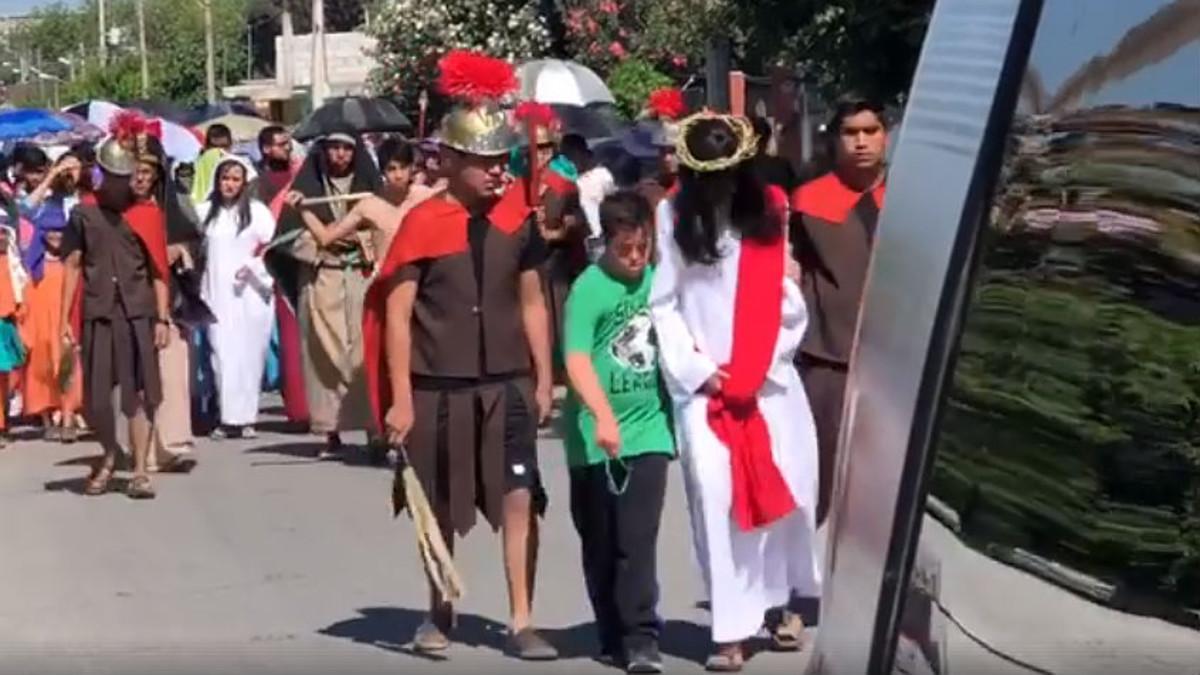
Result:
x=644 y=659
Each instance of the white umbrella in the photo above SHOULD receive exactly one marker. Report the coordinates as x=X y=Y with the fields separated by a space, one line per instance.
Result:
x=562 y=82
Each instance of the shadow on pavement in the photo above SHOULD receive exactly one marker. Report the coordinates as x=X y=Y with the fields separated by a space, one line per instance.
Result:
x=85 y=460
x=281 y=426
x=390 y=628
x=306 y=453
x=75 y=485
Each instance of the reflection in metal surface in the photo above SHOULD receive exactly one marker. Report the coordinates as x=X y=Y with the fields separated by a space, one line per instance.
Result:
x=964 y=92
x=1063 y=518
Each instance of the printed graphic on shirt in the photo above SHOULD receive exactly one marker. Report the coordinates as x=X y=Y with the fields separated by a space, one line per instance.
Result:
x=634 y=347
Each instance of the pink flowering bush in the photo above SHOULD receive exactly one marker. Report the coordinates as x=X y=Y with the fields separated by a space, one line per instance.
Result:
x=669 y=35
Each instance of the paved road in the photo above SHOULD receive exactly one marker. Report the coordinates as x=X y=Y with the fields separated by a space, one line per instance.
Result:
x=266 y=561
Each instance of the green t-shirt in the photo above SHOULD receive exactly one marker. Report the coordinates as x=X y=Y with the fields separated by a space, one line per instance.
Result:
x=609 y=319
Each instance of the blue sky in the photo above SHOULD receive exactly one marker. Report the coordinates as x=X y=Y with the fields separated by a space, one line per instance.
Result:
x=17 y=7
x=1072 y=31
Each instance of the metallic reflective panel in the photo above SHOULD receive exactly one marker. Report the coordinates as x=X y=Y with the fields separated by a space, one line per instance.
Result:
x=1061 y=527
x=946 y=158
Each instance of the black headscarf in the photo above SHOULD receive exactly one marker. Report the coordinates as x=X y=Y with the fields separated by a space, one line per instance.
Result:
x=311 y=181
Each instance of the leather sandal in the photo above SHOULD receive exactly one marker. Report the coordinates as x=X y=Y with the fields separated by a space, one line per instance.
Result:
x=97 y=483
x=140 y=488
x=788 y=635
x=429 y=638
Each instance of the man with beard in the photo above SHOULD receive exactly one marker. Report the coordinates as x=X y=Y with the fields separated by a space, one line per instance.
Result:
x=833 y=232
x=125 y=309
x=277 y=168
x=380 y=213
x=326 y=285
x=458 y=350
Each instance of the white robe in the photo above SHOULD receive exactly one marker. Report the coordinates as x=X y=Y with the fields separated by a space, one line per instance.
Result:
x=745 y=573
x=245 y=311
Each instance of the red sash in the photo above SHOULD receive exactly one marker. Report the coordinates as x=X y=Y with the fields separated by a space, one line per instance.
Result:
x=760 y=495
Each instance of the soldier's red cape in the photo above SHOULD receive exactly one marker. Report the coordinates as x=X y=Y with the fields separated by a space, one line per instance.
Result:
x=149 y=223
x=433 y=229
x=829 y=199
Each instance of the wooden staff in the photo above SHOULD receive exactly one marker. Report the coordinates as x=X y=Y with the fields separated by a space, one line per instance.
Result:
x=534 y=192
x=332 y=199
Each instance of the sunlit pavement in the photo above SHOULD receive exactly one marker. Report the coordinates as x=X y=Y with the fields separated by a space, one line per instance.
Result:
x=264 y=560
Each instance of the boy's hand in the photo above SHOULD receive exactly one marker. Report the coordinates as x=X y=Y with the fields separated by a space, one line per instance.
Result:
x=608 y=436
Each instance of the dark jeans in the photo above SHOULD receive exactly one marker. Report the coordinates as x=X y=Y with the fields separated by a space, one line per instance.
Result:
x=619 y=536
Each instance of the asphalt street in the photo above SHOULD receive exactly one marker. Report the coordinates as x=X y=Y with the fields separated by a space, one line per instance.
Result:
x=264 y=560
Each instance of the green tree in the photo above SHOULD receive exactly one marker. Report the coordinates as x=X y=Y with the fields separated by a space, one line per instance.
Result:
x=864 y=45
x=174 y=44
x=631 y=83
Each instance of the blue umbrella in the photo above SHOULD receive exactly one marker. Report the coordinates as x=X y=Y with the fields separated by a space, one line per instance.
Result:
x=25 y=123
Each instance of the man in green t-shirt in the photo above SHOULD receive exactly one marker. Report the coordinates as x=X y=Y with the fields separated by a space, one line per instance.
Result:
x=618 y=435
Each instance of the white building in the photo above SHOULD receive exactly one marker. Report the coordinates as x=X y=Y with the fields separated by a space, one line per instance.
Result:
x=347 y=67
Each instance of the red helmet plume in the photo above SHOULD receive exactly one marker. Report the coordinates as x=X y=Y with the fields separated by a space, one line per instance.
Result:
x=474 y=76
x=539 y=114
x=666 y=103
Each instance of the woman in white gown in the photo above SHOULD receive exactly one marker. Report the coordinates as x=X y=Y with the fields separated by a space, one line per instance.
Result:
x=729 y=316
x=239 y=291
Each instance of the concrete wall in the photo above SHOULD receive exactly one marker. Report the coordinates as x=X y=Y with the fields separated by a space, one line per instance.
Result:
x=345 y=57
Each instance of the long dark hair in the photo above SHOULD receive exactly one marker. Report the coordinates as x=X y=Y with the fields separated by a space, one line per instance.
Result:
x=697 y=228
x=243 y=201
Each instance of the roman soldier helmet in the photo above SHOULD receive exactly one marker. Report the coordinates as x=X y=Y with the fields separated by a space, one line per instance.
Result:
x=131 y=141
x=664 y=107
x=478 y=124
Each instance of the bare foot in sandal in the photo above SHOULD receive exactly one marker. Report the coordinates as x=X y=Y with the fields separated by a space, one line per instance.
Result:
x=140 y=488
x=96 y=483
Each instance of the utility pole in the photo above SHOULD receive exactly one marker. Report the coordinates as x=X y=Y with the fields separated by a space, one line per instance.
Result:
x=103 y=34
x=285 y=61
x=141 y=19
x=320 y=88
x=210 y=66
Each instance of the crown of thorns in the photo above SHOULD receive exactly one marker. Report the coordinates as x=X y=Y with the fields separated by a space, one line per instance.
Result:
x=741 y=127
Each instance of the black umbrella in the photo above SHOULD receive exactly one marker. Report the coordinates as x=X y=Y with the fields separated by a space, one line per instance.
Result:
x=353 y=115
x=594 y=121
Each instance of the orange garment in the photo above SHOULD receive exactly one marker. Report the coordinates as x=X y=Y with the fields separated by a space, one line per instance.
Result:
x=41 y=331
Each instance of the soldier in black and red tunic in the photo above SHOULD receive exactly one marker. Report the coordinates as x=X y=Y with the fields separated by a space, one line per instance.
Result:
x=833 y=232
x=457 y=345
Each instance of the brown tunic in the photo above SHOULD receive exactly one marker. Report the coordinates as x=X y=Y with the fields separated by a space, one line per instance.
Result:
x=833 y=230
x=474 y=434
x=119 y=311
